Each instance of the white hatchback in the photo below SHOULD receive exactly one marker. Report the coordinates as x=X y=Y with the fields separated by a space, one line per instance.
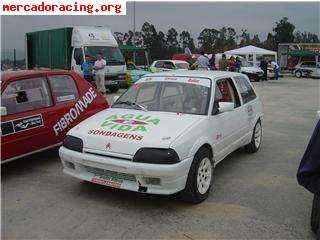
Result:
x=166 y=133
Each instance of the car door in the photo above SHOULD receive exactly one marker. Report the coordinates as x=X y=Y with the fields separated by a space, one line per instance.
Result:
x=226 y=127
x=25 y=126
x=250 y=104
x=65 y=94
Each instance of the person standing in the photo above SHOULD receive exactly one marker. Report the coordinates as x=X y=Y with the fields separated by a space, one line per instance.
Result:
x=223 y=63
x=212 y=62
x=276 y=69
x=87 y=68
x=237 y=64
x=202 y=62
x=232 y=62
x=99 y=67
x=308 y=176
x=264 y=67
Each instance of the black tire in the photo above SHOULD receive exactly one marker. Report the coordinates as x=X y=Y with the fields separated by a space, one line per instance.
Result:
x=113 y=89
x=191 y=192
x=315 y=214
x=252 y=146
x=298 y=74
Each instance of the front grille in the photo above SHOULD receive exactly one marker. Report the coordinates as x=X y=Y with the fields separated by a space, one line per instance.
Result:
x=106 y=173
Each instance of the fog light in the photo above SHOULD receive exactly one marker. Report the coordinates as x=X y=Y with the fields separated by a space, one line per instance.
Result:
x=152 y=181
x=70 y=165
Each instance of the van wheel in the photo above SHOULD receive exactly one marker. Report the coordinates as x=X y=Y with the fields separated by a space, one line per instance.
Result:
x=256 y=139
x=298 y=74
x=315 y=214
x=113 y=89
x=200 y=177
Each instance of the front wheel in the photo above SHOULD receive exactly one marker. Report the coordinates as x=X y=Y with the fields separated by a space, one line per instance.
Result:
x=256 y=139
x=298 y=74
x=200 y=177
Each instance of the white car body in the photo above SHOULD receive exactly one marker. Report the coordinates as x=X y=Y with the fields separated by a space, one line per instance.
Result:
x=108 y=149
x=167 y=65
x=301 y=68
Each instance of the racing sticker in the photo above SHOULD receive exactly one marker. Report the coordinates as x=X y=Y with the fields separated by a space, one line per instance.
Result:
x=130 y=122
x=73 y=113
x=21 y=124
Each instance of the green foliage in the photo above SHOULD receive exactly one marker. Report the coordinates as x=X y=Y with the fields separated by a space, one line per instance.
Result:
x=163 y=45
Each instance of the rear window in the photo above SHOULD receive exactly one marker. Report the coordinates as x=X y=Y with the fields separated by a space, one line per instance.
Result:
x=63 y=88
x=26 y=95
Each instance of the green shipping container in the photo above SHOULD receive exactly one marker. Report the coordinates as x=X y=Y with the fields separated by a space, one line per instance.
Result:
x=49 y=49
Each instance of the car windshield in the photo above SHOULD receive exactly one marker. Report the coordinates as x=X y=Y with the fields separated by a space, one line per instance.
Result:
x=112 y=55
x=182 y=65
x=180 y=97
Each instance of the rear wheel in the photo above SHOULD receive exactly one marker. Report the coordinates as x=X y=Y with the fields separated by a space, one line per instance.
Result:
x=200 y=177
x=256 y=139
x=298 y=74
x=315 y=214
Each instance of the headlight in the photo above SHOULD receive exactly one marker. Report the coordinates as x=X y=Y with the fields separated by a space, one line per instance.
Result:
x=156 y=156
x=73 y=143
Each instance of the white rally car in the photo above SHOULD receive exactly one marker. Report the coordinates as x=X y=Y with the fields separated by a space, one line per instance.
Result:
x=166 y=133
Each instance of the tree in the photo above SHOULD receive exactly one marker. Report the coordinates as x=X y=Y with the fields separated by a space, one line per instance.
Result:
x=304 y=37
x=284 y=31
x=172 y=41
x=256 y=40
x=270 y=43
x=120 y=37
x=186 y=41
x=245 y=38
x=207 y=39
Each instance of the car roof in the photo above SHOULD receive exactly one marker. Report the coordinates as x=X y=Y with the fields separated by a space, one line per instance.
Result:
x=170 y=60
x=7 y=75
x=213 y=75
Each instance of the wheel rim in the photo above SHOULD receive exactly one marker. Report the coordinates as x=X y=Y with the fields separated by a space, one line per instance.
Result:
x=257 y=135
x=204 y=175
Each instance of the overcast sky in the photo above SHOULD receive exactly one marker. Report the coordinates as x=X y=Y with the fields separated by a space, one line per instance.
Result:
x=193 y=16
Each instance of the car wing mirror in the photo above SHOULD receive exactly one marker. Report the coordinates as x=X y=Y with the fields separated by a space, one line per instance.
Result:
x=226 y=106
x=3 y=111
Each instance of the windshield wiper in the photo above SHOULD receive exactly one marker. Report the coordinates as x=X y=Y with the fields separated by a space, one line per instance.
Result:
x=133 y=104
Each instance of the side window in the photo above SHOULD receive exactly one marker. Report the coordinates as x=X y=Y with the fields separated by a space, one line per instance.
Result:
x=225 y=91
x=159 y=64
x=246 y=91
x=168 y=65
x=26 y=95
x=63 y=88
x=78 y=56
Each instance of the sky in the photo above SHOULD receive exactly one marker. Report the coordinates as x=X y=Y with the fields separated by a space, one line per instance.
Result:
x=258 y=18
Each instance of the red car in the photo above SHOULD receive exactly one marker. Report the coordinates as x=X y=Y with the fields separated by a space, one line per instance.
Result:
x=39 y=107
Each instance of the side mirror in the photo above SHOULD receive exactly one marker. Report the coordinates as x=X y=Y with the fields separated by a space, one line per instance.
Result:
x=3 y=111
x=115 y=98
x=225 y=106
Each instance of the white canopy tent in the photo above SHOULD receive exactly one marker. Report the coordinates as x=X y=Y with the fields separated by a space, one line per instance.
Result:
x=253 y=54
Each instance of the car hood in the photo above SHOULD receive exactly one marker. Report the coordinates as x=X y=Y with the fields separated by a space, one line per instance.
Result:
x=124 y=131
x=251 y=69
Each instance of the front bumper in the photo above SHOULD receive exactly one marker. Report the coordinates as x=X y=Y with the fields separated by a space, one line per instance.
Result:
x=171 y=178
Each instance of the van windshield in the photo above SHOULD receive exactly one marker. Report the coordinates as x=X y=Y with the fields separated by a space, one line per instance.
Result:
x=112 y=55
